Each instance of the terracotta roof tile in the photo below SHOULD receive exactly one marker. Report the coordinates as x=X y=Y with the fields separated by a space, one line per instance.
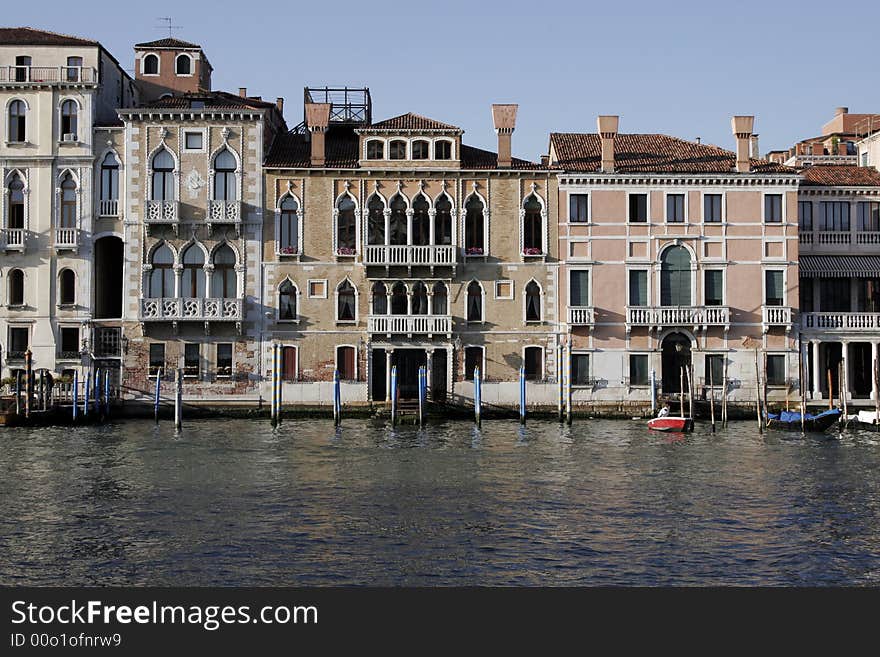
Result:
x=28 y=36
x=649 y=153
x=410 y=121
x=212 y=100
x=167 y=43
x=840 y=174
x=477 y=158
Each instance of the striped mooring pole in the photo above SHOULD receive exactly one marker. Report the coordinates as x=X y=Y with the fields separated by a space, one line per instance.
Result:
x=337 y=400
x=75 y=407
x=393 y=395
x=156 y=399
x=423 y=379
x=87 y=390
x=478 y=397
x=522 y=395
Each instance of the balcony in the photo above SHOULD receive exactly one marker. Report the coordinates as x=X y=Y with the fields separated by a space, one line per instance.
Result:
x=581 y=316
x=841 y=322
x=410 y=255
x=776 y=316
x=12 y=239
x=839 y=241
x=187 y=309
x=66 y=239
x=410 y=325
x=161 y=213
x=696 y=317
x=43 y=75
x=224 y=213
x=108 y=208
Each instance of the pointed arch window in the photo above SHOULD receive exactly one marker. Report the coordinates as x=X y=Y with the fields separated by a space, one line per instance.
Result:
x=380 y=298
x=533 y=227
x=346 y=302
x=443 y=221
x=225 y=187
x=163 y=176
x=224 y=280
x=161 y=282
x=16 y=287
x=68 y=202
x=69 y=116
x=474 y=227
x=376 y=220
x=397 y=222
x=533 y=302
x=66 y=288
x=421 y=223
x=440 y=299
x=193 y=282
x=17 y=121
x=288 y=236
x=675 y=277
x=15 y=216
x=419 y=299
x=474 y=302
x=346 y=226
x=287 y=302
x=109 y=184
x=399 y=304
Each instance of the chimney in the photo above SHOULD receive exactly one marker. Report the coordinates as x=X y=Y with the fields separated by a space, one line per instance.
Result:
x=545 y=160
x=279 y=103
x=607 y=126
x=317 y=120
x=504 y=117
x=841 y=110
x=242 y=91
x=756 y=154
x=742 y=129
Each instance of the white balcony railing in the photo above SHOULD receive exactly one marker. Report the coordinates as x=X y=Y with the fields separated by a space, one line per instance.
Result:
x=12 y=239
x=45 y=74
x=108 y=208
x=833 y=237
x=161 y=212
x=845 y=322
x=678 y=316
x=187 y=309
x=871 y=237
x=66 y=238
x=410 y=255
x=224 y=212
x=581 y=316
x=776 y=316
x=409 y=324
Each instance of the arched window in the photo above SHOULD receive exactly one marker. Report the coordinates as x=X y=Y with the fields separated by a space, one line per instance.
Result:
x=286 y=301
x=151 y=65
x=15 y=218
x=440 y=299
x=675 y=277
x=380 y=298
x=399 y=304
x=376 y=220
x=443 y=221
x=421 y=224
x=183 y=65
x=533 y=227
x=419 y=299
x=397 y=150
x=16 y=287
x=420 y=150
x=193 y=282
x=225 y=187
x=224 y=280
x=162 y=275
x=346 y=242
x=66 y=287
x=69 y=111
x=533 y=302
x=474 y=226
x=474 y=302
x=346 y=302
x=289 y=229
x=163 y=176
x=375 y=150
x=68 y=203
x=397 y=222
x=109 y=184
x=443 y=150
x=17 y=120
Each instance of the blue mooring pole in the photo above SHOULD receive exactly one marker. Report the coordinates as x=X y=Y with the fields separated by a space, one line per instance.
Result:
x=422 y=385
x=75 y=395
x=567 y=356
x=337 y=401
x=107 y=393
x=522 y=395
x=87 y=390
x=156 y=400
x=393 y=395
x=478 y=397
x=178 y=400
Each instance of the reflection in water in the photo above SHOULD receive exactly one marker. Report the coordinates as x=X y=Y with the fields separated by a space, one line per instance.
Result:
x=601 y=502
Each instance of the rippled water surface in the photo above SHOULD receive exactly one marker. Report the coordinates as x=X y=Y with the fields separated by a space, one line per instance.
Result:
x=603 y=502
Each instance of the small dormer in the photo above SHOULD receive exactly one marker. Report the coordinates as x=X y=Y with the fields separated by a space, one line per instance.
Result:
x=410 y=141
x=171 y=66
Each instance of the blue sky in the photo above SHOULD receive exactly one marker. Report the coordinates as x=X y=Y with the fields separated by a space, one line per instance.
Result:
x=681 y=68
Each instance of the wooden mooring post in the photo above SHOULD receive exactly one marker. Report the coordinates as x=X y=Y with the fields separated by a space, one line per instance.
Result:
x=711 y=396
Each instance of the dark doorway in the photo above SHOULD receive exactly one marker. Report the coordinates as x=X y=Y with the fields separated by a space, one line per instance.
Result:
x=378 y=375
x=676 y=354
x=438 y=376
x=408 y=362
x=108 y=278
x=860 y=369
x=831 y=363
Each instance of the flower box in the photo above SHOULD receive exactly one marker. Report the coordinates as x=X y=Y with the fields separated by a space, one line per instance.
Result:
x=288 y=250
x=345 y=251
x=533 y=251
x=474 y=251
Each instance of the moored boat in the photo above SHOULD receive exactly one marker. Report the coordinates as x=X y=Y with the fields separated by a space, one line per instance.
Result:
x=791 y=420
x=671 y=423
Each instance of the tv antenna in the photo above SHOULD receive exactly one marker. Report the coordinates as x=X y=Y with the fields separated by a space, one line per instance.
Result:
x=170 y=26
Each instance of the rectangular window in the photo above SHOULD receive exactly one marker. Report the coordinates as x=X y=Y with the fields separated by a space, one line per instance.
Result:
x=579 y=288
x=192 y=141
x=775 y=370
x=805 y=215
x=504 y=289
x=69 y=341
x=317 y=289
x=224 y=360
x=191 y=359
x=638 y=369
x=675 y=208
x=869 y=295
x=869 y=216
x=714 y=290
x=805 y=294
x=19 y=341
x=345 y=363
x=773 y=208
x=638 y=208
x=577 y=208
x=714 y=370
x=638 y=287
x=157 y=358
x=712 y=208
x=580 y=369
x=834 y=295
x=473 y=358
x=834 y=216
x=773 y=293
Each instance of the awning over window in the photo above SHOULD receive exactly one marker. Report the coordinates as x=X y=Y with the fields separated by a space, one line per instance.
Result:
x=840 y=266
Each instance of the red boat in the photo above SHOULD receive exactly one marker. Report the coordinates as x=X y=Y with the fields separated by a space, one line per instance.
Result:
x=671 y=423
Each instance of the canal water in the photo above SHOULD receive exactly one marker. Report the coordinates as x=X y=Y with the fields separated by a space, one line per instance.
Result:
x=603 y=502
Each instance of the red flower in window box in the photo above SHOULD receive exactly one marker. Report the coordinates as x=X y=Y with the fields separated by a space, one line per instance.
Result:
x=288 y=250
x=345 y=250
x=474 y=251
x=532 y=251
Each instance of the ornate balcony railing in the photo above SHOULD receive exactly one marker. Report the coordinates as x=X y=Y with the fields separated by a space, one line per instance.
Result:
x=66 y=238
x=224 y=212
x=581 y=316
x=12 y=239
x=841 y=322
x=48 y=74
x=161 y=212
x=188 y=309
x=410 y=324
x=661 y=316
x=442 y=255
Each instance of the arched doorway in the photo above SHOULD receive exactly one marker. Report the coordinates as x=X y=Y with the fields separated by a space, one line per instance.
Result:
x=675 y=277
x=676 y=348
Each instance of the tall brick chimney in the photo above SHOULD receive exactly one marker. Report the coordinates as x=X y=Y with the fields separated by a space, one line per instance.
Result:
x=743 y=127
x=607 y=127
x=279 y=103
x=504 y=117
x=317 y=120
